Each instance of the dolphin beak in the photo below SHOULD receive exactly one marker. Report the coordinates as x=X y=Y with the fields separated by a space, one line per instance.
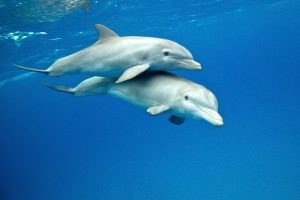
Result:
x=211 y=116
x=190 y=64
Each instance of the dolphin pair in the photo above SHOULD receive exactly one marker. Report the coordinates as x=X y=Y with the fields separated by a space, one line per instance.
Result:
x=158 y=92
x=123 y=57
x=132 y=68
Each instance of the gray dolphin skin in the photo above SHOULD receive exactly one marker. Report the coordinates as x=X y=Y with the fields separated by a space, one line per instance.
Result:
x=158 y=92
x=123 y=57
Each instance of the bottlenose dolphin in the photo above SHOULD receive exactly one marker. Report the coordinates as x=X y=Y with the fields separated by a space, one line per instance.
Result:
x=127 y=56
x=159 y=92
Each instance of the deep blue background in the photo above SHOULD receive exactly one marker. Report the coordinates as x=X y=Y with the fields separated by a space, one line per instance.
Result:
x=56 y=146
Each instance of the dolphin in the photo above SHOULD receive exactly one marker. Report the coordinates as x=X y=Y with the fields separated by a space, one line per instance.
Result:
x=158 y=92
x=123 y=57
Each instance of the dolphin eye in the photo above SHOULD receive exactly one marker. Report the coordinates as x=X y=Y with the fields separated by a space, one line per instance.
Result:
x=166 y=53
x=186 y=97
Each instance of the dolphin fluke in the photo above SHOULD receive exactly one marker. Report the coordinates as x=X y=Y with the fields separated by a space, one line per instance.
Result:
x=33 y=70
x=92 y=86
x=60 y=88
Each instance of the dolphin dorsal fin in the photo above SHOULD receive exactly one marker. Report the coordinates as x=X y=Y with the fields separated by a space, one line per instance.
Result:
x=104 y=33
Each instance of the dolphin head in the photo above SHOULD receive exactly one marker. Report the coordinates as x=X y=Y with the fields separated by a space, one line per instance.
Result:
x=198 y=103
x=171 y=55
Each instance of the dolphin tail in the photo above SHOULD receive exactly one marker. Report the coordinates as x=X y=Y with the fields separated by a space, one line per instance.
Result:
x=45 y=71
x=92 y=86
x=60 y=88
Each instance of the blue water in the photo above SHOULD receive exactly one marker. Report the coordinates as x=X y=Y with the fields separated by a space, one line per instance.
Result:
x=56 y=146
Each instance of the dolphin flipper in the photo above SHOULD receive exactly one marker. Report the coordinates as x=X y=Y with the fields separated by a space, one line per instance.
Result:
x=132 y=72
x=176 y=120
x=155 y=110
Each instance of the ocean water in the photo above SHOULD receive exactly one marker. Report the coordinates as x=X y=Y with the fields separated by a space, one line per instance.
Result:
x=57 y=146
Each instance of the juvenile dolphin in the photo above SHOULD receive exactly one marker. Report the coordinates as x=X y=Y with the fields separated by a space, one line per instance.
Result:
x=157 y=91
x=123 y=57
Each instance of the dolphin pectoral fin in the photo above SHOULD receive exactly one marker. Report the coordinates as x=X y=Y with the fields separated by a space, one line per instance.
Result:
x=104 y=33
x=132 y=72
x=176 y=120
x=155 y=110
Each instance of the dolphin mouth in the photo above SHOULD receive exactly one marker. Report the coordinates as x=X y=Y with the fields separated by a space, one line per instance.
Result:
x=211 y=115
x=191 y=64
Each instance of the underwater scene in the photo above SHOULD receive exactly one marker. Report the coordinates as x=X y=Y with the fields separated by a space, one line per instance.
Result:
x=150 y=100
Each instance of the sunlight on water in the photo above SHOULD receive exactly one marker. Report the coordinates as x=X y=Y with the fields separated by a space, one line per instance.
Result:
x=16 y=78
x=18 y=36
x=49 y=10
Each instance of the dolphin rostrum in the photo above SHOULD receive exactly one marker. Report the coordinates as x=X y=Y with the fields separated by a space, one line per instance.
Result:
x=159 y=92
x=123 y=57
